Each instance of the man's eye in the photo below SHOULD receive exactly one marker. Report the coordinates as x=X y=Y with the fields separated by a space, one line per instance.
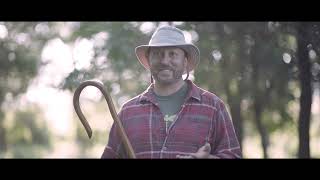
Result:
x=156 y=53
x=172 y=54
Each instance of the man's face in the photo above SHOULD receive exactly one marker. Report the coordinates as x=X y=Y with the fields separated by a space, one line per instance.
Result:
x=167 y=64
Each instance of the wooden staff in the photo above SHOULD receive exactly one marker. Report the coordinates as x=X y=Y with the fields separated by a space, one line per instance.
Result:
x=115 y=117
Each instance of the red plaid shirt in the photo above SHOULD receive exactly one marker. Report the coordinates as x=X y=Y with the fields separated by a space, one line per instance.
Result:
x=202 y=118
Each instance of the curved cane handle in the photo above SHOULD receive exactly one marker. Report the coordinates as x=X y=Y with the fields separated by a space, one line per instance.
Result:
x=114 y=115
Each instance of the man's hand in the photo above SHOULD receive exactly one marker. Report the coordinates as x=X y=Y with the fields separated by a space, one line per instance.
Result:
x=202 y=153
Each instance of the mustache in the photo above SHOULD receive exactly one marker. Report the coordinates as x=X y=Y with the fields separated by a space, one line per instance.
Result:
x=160 y=68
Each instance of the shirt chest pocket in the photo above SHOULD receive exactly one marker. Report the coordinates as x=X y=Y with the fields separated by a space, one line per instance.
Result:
x=193 y=130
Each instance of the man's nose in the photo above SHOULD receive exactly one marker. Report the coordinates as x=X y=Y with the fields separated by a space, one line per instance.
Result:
x=165 y=59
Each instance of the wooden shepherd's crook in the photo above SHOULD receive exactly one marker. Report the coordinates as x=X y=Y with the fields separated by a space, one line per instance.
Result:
x=115 y=117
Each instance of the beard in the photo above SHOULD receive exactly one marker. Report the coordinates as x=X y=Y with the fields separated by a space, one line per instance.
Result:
x=166 y=74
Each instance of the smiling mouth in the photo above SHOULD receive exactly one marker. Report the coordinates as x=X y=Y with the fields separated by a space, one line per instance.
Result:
x=165 y=70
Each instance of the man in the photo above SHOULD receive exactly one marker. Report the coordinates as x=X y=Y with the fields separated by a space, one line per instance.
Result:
x=173 y=118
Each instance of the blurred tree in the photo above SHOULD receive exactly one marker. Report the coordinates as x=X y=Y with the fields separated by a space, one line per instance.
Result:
x=20 y=50
x=269 y=78
x=27 y=134
x=114 y=62
x=17 y=66
x=304 y=65
x=246 y=65
x=220 y=57
x=308 y=71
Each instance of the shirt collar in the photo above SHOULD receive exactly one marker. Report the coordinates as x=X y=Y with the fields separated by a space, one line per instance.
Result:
x=148 y=95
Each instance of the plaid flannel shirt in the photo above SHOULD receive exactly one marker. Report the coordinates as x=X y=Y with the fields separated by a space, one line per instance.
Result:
x=202 y=118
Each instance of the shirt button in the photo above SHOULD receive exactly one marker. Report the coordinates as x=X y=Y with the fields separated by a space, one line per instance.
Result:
x=164 y=148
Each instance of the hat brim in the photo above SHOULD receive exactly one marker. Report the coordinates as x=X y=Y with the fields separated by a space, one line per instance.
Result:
x=192 y=50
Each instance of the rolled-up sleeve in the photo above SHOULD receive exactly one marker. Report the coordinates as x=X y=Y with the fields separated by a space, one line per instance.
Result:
x=224 y=142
